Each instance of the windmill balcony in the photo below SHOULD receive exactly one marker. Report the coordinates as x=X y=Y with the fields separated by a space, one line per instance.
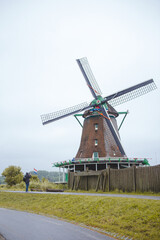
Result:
x=96 y=164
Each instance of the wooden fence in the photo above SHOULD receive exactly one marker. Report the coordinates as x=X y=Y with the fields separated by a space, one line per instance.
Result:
x=141 y=179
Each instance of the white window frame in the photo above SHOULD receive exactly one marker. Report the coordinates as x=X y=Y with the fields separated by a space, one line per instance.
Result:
x=95 y=153
x=96 y=142
x=96 y=126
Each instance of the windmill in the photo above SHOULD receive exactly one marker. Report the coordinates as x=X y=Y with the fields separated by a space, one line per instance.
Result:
x=100 y=135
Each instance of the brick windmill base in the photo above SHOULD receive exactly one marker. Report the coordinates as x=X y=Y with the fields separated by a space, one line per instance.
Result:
x=96 y=140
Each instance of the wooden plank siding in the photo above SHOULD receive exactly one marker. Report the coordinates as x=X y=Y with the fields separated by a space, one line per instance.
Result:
x=134 y=179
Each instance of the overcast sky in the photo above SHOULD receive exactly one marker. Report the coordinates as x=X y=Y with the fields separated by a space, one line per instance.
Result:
x=39 y=44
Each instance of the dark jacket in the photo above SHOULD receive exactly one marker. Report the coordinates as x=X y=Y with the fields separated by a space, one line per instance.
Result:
x=27 y=177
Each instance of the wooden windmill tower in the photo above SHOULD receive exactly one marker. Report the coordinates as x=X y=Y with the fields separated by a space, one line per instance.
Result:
x=100 y=136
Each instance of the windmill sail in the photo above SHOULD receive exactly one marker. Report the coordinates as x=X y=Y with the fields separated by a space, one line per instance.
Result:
x=51 y=117
x=89 y=77
x=113 y=131
x=131 y=93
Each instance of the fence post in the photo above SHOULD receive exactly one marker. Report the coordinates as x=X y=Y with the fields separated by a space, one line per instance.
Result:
x=87 y=182
x=104 y=180
x=108 y=178
x=69 y=179
x=134 y=178
x=73 y=182
x=98 y=180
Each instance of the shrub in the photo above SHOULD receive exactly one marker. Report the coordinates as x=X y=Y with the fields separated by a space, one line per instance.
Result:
x=35 y=178
x=35 y=185
x=13 y=175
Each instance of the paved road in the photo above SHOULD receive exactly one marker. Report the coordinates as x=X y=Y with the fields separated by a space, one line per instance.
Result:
x=16 y=225
x=96 y=194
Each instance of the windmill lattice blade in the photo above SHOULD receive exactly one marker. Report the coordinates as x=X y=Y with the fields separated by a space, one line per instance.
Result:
x=113 y=131
x=89 y=77
x=51 y=117
x=131 y=93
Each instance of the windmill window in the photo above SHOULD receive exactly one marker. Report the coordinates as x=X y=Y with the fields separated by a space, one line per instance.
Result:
x=95 y=142
x=96 y=126
x=95 y=155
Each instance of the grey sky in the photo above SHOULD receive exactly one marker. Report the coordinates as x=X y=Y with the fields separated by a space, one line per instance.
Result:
x=39 y=43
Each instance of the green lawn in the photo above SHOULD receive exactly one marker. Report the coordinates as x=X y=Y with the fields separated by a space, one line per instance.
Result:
x=137 y=219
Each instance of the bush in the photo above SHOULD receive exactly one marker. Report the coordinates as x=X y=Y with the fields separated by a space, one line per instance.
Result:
x=21 y=185
x=2 y=186
x=44 y=180
x=13 y=175
x=35 y=178
x=35 y=185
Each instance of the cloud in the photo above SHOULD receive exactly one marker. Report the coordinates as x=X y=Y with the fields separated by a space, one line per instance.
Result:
x=39 y=44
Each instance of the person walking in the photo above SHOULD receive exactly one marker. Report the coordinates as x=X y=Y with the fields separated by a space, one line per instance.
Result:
x=27 y=179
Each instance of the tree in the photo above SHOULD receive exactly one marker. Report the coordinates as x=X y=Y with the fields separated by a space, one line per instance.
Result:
x=13 y=175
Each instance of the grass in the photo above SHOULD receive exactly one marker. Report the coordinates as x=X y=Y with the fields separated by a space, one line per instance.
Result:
x=50 y=185
x=117 y=192
x=137 y=219
x=33 y=185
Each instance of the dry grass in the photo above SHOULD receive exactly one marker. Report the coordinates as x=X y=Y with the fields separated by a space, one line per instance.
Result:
x=33 y=185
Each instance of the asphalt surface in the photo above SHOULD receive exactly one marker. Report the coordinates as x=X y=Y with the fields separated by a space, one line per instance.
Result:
x=96 y=194
x=16 y=225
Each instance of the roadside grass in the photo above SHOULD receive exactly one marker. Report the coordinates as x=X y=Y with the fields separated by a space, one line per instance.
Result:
x=50 y=185
x=116 y=192
x=33 y=185
x=133 y=218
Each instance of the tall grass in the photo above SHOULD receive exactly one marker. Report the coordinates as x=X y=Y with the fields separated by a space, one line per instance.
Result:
x=34 y=185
